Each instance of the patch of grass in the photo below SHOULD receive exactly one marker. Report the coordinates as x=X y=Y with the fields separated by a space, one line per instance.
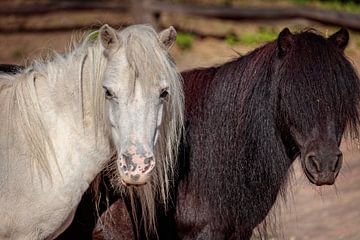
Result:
x=93 y=35
x=262 y=35
x=17 y=54
x=232 y=39
x=184 y=40
x=340 y=6
x=348 y=6
x=301 y=2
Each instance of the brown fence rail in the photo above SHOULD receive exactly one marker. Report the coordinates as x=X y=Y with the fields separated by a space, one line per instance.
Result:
x=150 y=9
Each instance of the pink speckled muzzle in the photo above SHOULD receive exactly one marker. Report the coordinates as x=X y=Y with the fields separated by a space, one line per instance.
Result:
x=135 y=164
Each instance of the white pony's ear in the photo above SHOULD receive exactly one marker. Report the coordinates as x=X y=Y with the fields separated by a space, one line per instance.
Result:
x=108 y=37
x=168 y=37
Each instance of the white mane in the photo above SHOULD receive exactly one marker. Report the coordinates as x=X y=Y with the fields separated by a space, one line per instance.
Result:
x=74 y=98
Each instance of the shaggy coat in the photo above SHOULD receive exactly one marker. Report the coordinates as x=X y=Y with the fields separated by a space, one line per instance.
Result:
x=239 y=147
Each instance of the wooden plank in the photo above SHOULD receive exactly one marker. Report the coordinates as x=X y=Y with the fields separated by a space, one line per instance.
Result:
x=32 y=9
x=332 y=17
x=155 y=8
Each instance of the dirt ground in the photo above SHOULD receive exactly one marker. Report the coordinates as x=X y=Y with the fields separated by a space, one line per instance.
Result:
x=331 y=213
x=323 y=213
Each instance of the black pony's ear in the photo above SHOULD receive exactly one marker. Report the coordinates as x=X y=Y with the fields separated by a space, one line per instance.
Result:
x=285 y=41
x=340 y=39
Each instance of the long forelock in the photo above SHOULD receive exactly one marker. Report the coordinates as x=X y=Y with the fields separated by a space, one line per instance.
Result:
x=323 y=74
x=147 y=57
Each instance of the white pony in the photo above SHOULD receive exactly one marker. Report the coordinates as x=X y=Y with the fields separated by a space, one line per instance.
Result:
x=59 y=129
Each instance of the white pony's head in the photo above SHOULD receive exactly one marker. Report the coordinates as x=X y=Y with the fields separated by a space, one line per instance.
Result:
x=139 y=81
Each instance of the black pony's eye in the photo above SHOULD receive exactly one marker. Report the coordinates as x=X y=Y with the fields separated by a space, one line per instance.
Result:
x=164 y=93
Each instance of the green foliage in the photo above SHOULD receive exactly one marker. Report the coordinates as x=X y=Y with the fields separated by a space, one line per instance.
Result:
x=18 y=54
x=348 y=6
x=184 y=40
x=337 y=5
x=93 y=35
x=301 y=2
x=262 y=35
x=232 y=39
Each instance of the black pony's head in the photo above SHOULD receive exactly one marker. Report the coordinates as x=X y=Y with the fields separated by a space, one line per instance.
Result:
x=318 y=94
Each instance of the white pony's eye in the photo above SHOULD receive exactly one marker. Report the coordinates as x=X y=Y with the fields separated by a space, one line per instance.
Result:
x=164 y=93
x=108 y=93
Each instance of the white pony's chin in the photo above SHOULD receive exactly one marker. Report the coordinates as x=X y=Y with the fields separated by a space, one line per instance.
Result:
x=127 y=184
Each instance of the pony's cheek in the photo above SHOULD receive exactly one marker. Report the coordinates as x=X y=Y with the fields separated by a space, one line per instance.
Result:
x=113 y=116
x=116 y=138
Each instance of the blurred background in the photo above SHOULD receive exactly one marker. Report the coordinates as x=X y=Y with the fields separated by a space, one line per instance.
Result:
x=210 y=32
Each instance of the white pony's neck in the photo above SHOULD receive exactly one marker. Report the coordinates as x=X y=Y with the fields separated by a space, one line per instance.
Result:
x=63 y=102
x=81 y=116
x=80 y=75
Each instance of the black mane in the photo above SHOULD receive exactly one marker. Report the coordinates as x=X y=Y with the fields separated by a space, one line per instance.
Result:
x=10 y=68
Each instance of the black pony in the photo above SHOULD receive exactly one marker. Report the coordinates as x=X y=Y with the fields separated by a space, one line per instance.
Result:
x=247 y=121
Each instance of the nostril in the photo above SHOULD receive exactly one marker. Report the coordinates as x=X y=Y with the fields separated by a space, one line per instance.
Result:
x=149 y=164
x=126 y=158
x=313 y=163
x=148 y=160
x=129 y=163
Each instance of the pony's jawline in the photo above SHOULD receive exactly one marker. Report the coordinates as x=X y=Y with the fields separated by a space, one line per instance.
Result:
x=132 y=185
